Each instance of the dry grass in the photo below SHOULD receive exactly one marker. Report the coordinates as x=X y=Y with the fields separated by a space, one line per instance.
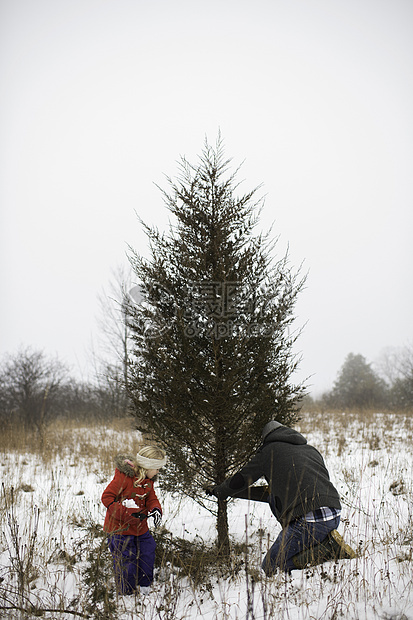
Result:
x=73 y=440
x=53 y=557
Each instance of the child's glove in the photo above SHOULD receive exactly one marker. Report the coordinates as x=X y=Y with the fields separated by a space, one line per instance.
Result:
x=130 y=503
x=157 y=516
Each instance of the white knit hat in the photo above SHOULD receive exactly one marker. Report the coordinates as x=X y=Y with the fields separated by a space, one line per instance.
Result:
x=146 y=463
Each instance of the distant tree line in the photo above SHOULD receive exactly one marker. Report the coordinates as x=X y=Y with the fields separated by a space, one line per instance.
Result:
x=359 y=387
x=36 y=390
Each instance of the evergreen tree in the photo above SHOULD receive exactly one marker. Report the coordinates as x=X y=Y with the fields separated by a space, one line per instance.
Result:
x=357 y=386
x=212 y=348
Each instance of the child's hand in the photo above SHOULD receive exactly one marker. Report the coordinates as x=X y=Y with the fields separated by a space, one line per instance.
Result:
x=157 y=516
x=129 y=503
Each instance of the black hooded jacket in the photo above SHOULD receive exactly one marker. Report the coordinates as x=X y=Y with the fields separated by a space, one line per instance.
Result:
x=297 y=478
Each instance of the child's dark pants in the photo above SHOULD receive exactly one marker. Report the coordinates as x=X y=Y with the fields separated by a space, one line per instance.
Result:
x=133 y=560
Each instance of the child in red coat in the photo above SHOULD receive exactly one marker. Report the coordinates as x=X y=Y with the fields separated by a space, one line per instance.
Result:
x=130 y=499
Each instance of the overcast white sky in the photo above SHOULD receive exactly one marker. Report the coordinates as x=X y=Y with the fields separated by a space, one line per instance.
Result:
x=100 y=98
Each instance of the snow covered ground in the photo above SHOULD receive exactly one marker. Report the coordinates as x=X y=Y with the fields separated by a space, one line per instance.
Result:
x=50 y=513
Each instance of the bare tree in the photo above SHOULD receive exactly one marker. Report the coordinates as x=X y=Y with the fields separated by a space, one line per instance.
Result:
x=401 y=392
x=30 y=386
x=388 y=364
x=111 y=359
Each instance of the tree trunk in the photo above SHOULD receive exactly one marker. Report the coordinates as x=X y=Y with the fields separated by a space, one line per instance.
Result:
x=222 y=527
x=222 y=516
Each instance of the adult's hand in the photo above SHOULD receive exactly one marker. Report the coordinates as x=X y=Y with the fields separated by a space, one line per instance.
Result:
x=209 y=490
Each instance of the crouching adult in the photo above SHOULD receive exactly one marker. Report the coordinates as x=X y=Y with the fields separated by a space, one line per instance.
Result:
x=300 y=495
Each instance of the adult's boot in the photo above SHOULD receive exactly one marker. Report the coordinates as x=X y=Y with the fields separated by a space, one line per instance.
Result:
x=332 y=547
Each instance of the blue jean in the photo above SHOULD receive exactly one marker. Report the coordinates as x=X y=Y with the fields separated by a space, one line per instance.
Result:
x=133 y=560
x=298 y=535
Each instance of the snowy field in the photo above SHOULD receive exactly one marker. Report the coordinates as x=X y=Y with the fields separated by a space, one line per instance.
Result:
x=54 y=562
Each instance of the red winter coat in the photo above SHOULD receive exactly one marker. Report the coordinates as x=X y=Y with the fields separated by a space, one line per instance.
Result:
x=125 y=485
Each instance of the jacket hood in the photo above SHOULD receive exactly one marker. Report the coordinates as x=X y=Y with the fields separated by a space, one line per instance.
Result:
x=269 y=427
x=123 y=466
x=283 y=434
